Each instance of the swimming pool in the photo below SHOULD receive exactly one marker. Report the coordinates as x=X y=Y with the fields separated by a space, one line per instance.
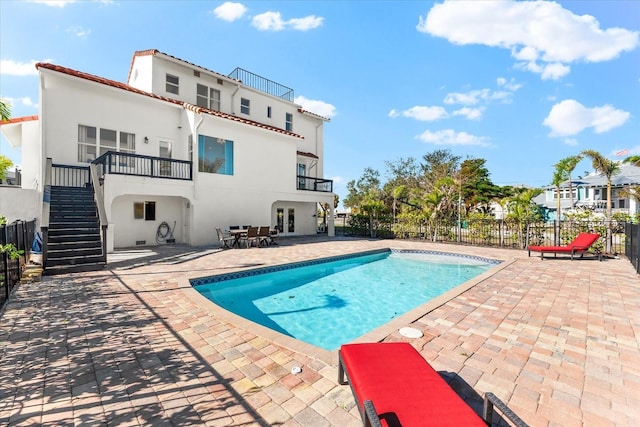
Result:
x=332 y=301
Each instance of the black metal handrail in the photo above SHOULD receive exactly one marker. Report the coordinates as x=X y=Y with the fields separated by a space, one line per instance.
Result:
x=262 y=84
x=118 y=163
x=315 y=184
x=70 y=176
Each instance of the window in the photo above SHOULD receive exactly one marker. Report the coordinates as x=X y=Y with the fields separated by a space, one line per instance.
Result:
x=108 y=140
x=207 y=97
x=87 y=143
x=215 y=155
x=289 y=122
x=245 y=106
x=621 y=203
x=146 y=211
x=93 y=142
x=269 y=112
x=173 y=84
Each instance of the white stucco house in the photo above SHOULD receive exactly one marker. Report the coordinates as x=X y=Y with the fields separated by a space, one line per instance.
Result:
x=590 y=192
x=178 y=144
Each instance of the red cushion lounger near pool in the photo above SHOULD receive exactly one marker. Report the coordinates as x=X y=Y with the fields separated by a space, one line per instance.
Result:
x=579 y=245
x=394 y=386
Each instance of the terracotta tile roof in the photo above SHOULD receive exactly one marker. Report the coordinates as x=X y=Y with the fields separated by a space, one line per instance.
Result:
x=303 y=111
x=18 y=120
x=305 y=154
x=123 y=86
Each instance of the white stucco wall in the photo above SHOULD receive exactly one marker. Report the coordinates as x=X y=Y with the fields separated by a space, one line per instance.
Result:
x=20 y=204
x=127 y=230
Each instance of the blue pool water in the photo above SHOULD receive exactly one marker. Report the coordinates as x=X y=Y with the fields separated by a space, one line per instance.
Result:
x=330 y=302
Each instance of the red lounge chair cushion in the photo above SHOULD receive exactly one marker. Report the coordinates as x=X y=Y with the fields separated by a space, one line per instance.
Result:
x=403 y=386
x=581 y=243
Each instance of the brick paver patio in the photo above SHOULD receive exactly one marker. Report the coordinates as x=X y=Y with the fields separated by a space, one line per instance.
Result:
x=557 y=340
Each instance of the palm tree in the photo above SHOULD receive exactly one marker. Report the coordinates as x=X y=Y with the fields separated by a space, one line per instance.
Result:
x=5 y=110
x=633 y=160
x=569 y=164
x=607 y=168
x=560 y=175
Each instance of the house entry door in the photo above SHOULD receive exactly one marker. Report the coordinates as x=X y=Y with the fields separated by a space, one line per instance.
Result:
x=286 y=221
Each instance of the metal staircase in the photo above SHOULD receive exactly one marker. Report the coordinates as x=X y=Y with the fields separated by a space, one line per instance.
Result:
x=74 y=238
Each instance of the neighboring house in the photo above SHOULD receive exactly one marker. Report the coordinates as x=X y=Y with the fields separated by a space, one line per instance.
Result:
x=590 y=193
x=177 y=144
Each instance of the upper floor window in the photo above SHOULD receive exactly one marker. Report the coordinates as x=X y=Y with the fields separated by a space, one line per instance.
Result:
x=289 y=122
x=208 y=97
x=269 y=112
x=245 y=106
x=173 y=84
x=215 y=155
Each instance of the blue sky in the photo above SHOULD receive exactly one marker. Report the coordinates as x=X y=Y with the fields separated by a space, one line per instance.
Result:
x=520 y=84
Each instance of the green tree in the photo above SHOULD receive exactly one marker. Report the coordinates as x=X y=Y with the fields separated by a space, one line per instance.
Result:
x=633 y=160
x=365 y=196
x=607 y=168
x=568 y=165
x=5 y=115
x=5 y=110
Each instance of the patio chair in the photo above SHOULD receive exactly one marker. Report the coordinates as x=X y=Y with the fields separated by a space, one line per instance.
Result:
x=226 y=240
x=252 y=236
x=264 y=236
x=579 y=245
x=394 y=386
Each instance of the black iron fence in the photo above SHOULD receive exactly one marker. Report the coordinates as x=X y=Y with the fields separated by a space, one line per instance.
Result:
x=481 y=232
x=314 y=184
x=15 y=238
x=632 y=244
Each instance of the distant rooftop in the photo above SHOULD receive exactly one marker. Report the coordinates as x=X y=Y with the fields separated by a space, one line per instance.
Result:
x=262 y=84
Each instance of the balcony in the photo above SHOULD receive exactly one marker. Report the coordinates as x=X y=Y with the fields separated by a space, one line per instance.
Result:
x=118 y=163
x=315 y=184
x=262 y=84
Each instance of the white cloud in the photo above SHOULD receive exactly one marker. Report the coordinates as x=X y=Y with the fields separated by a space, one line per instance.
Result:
x=306 y=23
x=542 y=36
x=320 y=108
x=63 y=3
x=10 y=67
x=571 y=142
x=451 y=137
x=229 y=11
x=421 y=113
x=272 y=21
x=569 y=117
x=78 y=31
x=510 y=85
x=268 y=21
x=469 y=113
x=54 y=3
x=25 y=101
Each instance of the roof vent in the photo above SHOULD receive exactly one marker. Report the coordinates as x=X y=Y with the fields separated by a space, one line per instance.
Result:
x=196 y=73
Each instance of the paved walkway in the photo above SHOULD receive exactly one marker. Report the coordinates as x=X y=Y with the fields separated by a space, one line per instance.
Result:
x=134 y=344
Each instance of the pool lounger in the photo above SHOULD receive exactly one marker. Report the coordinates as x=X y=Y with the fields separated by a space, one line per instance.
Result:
x=406 y=390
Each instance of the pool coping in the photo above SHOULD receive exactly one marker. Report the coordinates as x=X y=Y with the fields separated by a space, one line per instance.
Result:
x=375 y=335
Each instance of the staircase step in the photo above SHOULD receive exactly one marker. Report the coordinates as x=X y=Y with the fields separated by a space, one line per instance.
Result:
x=55 y=253
x=74 y=260
x=78 y=268
x=73 y=245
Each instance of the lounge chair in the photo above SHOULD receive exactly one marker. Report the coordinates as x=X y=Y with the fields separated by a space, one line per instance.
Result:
x=579 y=245
x=394 y=385
x=227 y=241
